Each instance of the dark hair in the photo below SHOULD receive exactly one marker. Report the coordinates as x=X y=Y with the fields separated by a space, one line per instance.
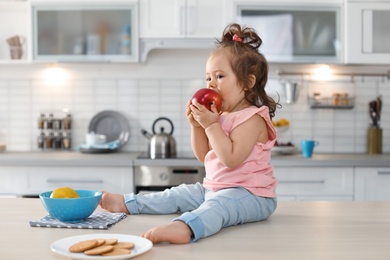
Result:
x=245 y=60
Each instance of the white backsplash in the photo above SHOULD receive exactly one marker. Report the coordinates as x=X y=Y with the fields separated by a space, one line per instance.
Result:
x=161 y=87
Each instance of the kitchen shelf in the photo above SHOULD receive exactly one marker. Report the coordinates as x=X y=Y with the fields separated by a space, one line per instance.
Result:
x=326 y=103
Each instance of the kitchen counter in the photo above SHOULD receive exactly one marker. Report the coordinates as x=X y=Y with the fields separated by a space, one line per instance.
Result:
x=124 y=159
x=297 y=230
x=333 y=160
x=73 y=159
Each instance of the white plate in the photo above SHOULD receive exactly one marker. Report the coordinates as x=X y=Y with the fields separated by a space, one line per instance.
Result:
x=112 y=124
x=61 y=246
x=284 y=149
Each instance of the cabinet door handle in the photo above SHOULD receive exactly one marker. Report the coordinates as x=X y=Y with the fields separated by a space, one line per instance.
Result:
x=383 y=172
x=72 y=181
x=303 y=182
x=191 y=19
x=367 y=31
x=182 y=20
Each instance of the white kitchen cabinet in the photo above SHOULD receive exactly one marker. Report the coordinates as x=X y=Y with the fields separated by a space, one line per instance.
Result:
x=81 y=31
x=22 y=181
x=372 y=183
x=13 y=181
x=296 y=31
x=13 y=22
x=182 y=18
x=368 y=32
x=314 y=183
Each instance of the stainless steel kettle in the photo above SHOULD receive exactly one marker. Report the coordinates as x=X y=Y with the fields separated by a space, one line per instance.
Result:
x=161 y=145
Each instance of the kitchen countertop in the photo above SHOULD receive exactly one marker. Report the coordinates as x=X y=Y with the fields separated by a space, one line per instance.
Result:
x=297 y=230
x=73 y=159
x=124 y=159
x=333 y=160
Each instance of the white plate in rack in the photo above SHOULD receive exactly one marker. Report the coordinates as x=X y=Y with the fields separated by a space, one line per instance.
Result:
x=61 y=246
x=113 y=125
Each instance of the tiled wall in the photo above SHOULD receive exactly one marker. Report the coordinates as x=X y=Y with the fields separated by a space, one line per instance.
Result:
x=144 y=92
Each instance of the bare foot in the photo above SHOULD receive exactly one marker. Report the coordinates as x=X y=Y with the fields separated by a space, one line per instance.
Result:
x=113 y=202
x=176 y=232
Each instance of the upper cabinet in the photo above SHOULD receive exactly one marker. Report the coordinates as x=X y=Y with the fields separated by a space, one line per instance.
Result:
x=14 y=32
x=296 y=31
x=182 y=18
x=85 y=32
x=368 y=32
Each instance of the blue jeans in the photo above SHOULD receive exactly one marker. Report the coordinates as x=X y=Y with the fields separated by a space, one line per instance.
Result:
x=204 y=211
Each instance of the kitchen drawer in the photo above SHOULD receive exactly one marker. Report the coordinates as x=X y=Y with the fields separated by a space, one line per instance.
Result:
x=314 y=183
x=372 y=183
x=118 y=180
x=13 y=181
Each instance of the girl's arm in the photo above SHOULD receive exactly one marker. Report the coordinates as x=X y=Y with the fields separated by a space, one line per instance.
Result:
x=199 y=141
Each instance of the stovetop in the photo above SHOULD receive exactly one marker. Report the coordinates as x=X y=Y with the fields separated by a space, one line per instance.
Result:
x=180 y=155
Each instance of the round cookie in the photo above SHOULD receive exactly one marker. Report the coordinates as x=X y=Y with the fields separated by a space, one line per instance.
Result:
x=101 y=241
x=99 y=250
x=83 y=245
x=127 y=245
x=117 y=251
x=111 y=241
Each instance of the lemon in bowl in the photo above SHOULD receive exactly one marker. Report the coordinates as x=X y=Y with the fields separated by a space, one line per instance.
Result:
x=68 y=205
x=64 y=193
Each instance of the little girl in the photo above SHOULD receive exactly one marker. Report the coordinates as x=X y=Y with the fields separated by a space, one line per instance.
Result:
x=234 y=145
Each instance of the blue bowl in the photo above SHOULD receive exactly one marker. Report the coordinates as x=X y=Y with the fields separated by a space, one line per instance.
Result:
x=71 y=210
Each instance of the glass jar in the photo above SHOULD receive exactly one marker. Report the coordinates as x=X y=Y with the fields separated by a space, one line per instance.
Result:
x=57 y=140
x=66 y=141
x=56 y=124
x=67 y=122
x=336 y=99
x=49 y=122
x=49 y=140
x=41 y=140
x=41 y=121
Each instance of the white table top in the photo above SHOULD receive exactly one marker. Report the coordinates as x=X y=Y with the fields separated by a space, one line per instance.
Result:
x=297 y=230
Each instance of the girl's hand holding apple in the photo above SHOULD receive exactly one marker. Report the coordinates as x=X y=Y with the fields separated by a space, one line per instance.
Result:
x=204 y=107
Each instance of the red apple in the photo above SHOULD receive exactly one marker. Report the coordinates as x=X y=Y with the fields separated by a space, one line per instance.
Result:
x=207 y=97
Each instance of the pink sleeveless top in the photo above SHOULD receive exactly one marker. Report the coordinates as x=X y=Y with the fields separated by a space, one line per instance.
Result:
x=256 y=172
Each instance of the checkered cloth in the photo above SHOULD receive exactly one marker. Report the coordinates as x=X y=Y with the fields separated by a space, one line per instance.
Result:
x=98 y=220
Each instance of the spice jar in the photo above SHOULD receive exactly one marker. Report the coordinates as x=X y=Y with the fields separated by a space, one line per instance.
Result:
x=41 y=140
x=336 y=99
x=57 y=140
x=49 y=122
x=41 y=121
x=344 y=99
x=67 y=122
x=49 y=140
x=56 y=124
x=66 y=141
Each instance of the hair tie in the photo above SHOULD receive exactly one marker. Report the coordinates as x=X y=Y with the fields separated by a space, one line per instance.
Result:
x=236 y=38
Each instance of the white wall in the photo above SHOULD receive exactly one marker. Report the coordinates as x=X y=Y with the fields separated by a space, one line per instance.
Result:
x=161 y=87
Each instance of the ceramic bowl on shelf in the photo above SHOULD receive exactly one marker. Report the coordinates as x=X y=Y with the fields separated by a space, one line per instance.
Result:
x=281 y=129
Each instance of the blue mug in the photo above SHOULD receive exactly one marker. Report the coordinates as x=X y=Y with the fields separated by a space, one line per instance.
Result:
x=308 y=147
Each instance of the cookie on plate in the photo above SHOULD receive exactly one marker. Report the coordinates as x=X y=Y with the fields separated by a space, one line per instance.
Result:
x=111 y=241
x=99 y=250
x=117 y=251
x=83 y=245
x=126 y=245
